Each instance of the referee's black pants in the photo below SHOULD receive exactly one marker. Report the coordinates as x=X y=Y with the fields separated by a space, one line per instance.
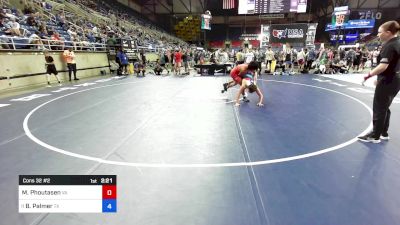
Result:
x=71 y=68
x=385 y=91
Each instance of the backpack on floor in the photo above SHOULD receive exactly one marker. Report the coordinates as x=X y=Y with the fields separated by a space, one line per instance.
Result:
x=119 y=71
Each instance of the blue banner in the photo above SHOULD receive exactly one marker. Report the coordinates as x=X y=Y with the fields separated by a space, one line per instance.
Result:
x=352 y=24
x=330 y=27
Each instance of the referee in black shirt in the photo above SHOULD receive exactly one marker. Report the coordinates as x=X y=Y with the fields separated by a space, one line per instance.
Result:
x=388 y=82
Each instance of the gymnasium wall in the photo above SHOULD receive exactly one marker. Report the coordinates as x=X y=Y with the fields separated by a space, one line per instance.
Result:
x=22 y=69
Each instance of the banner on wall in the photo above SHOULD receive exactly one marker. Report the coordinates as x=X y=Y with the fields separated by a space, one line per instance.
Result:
x=312 y=30
x=206 y=22
x=265 y=35
x=352 y=24
x=288 y=33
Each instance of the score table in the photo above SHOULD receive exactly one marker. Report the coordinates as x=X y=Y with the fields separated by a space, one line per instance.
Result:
x=67 y=194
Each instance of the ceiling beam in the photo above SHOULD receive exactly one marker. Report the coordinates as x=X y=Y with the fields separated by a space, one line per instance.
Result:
x=165 y=7
x=360 y=5
x=148 y=9
x=187 y=9
x=383 y=3
x=202 y=4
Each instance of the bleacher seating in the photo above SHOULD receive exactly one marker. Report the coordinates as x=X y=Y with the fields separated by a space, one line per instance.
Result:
x=133 y=26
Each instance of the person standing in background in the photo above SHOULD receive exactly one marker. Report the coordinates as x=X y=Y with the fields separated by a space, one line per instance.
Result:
x=310 y=58
x=301 y=59
x=239 y=57
x=69 y=57
x=248 y=56
x=357 y=60
x=178 y=61
x=257 y=58
x=185 y=61
x=269 y=56
x=375 y=55
x=123 y=62
x=288 y=59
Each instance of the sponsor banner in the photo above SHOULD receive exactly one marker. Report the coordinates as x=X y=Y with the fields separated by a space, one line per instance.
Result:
x=330 y=27
x=265 y=35
x=288 y=33
x=353 y=24
x=312 y=30
x=308 y=31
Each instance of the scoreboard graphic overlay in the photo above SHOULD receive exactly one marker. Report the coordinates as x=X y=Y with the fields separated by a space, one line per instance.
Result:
x=67 y=194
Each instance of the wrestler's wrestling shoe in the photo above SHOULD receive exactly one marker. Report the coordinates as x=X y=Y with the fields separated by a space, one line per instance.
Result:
x=225 y=85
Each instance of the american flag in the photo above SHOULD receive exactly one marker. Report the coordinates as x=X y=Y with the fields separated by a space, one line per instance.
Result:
x=228 y=4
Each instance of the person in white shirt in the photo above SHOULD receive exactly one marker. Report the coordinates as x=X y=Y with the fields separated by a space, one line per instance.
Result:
x=14 y=24
x=72 y=33
x=95 y=30
x=14 y=27
x=74 y=37
x=222 y=57
x=301 y=55
x=375 y=55
x=249 y=56
x=34 y=39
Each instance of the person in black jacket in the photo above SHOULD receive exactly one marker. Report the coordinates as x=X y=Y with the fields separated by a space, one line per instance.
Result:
x=388 y=82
